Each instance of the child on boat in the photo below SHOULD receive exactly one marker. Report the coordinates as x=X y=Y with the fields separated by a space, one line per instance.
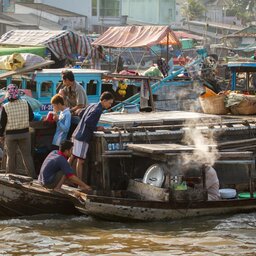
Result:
x=63 y=120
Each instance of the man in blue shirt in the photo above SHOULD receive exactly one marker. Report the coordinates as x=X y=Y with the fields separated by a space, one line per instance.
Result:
x=56 y=169
x=84 y=130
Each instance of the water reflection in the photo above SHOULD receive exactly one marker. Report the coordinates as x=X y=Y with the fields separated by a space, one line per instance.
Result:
x=72 y=235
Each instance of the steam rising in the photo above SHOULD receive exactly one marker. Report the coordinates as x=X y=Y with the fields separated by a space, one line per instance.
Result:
x=205 y=151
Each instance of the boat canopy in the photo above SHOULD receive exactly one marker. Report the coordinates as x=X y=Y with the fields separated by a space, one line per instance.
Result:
x=62 y=43
x=137 y=36
x=242 y=66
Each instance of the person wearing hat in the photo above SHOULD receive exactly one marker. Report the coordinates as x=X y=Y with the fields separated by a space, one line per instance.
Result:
x=15 y=117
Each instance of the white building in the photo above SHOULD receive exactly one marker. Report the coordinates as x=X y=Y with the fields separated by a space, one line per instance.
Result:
x=65 y=19
x=104 y=13
x=100 y=13
x=155 y=12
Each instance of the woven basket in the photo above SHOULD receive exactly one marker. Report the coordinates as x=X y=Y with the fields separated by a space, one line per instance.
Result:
x=246 y=107
x=214 y=105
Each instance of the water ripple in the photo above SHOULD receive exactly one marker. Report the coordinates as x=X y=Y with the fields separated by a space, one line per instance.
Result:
x=82 y=236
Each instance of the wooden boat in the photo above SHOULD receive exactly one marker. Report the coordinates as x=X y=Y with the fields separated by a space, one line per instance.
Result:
x=127 y=209
x=111 y=168
x=146 y=202
x=20 y=195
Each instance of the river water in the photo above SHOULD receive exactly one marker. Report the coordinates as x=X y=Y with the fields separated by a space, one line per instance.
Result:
x=81 y=235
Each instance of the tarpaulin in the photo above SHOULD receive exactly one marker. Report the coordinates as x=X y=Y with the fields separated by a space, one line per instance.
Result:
x=137 y=36
x=62 y=43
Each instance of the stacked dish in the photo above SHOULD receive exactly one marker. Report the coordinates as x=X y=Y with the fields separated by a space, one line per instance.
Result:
x=227 y=193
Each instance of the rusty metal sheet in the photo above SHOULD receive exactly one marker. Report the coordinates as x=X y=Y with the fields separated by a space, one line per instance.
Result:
x=155 y=118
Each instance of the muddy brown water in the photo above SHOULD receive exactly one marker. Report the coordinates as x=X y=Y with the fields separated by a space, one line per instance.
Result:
x=81 y=235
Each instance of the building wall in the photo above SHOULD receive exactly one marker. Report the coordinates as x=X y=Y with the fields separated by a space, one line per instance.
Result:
x=76 y=23
x=95 y=23
x=20 y=9
x=77 y=6
x=160 y=12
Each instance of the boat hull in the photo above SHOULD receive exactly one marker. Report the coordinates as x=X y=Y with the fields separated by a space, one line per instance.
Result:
x=19 y=199
x=160 y=211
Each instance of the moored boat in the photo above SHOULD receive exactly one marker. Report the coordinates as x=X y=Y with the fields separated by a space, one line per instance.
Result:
x=120 y=209
x=20 y=195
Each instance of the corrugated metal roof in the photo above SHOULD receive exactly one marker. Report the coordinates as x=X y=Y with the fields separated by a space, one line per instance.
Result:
x=242 y=35
x=29 y=37
x=62 y=43
x=36 y=21
x=245 y=32
x=6 y=17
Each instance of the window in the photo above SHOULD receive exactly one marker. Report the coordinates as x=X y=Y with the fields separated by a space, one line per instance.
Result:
x=94 y=7
x=109 y=8
x=46 y=89
x=91 y=87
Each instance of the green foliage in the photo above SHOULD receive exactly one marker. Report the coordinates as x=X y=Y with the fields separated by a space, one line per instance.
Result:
x=193 y=9
x=243 y=9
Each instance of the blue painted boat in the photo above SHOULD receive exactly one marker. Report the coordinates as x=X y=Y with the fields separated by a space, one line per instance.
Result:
x=47 y=80
x=248 y=68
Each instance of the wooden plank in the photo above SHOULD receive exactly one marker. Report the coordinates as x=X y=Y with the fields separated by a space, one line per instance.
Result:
x=237 y=143
x=26 y=69
x=236 y=155
x=160 y=148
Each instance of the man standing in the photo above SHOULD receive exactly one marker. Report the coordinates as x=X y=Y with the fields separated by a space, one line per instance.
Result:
x=56 y=169
x=15 y=118
x=84 y=130
x=73 y=93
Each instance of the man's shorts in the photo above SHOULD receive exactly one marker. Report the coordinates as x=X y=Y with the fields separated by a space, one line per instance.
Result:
x=55 y=181
x=80 y=149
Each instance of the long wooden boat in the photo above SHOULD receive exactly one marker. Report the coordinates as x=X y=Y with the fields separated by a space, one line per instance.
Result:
x=143 y=201
x=128 y=209
x=19 y=195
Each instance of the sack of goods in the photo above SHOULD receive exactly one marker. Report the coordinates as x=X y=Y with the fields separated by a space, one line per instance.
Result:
x=241 y=104
x=214 y=104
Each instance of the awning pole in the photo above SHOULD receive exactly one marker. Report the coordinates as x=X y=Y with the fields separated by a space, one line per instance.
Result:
x=167 y=49
x=109 y=59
